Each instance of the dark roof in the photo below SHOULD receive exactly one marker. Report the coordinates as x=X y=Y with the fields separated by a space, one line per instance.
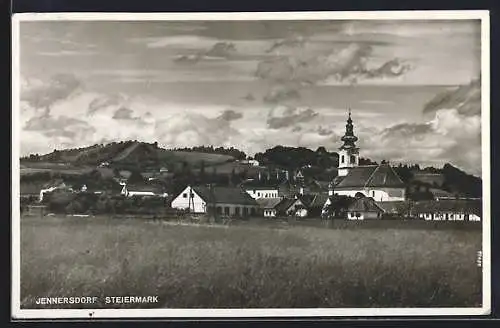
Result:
x=268 y=202
x=286 y=203
x=314 y=201
x=157 y=189
x=365 y=204
x=225 y=195
x=371 y=176
x=394 y=207
x=449 y=205
x=263 y=183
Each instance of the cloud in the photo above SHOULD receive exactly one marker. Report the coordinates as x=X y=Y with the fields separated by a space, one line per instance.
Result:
x=465 y=99
x=124 y=113
x=43 y=94
x=293 y=41
x=281 y=93
x=230 y=115
x=282 y=117
x=103 y=102
x=60 y=126
x=220 y=50
x=448 y=137
x=347 y=64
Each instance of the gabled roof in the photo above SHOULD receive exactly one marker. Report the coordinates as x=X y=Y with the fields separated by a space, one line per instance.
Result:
x=225 y=195
x=371 y=176
x=449 y=205
x=365 y=204
x=268 y=202
x=314 y=201
x=286 y=203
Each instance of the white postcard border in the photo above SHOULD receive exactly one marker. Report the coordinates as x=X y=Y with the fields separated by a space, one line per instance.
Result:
x=18 y=313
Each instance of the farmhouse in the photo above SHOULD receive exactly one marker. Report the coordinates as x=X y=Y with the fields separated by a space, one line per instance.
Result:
x=364 y=208
x=291 y=207
x=262 y=188
x=148 y=190
x=225 y=200
x=268 y=206
x=314 y=203
x=448 y=210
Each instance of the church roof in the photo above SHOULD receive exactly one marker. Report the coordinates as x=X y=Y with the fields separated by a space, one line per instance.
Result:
x=371 y=176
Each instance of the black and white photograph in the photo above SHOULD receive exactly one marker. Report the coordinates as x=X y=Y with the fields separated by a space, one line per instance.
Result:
x=250 y=164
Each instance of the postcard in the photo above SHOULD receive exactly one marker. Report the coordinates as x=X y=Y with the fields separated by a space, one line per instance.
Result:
x=250 y=165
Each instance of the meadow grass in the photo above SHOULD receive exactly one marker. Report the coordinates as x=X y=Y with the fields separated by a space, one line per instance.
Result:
x=248 y=267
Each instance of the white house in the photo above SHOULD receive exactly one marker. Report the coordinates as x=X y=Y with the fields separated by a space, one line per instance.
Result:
x=229 y=201
x=448 y=210
x=364 y=208
x=190 y=200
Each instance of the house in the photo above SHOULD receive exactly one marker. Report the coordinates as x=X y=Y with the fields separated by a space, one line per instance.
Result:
x=52 y=186
x=379 y=182
x=142 y=189
x=262 y=188
x=364 y=208
x=231 y=201
x=291 y=207
x=314 y=203
x=268 y=206
x=396 y=209
x=448 y=210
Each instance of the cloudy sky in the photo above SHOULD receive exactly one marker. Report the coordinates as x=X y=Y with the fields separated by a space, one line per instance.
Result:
x=254 y=85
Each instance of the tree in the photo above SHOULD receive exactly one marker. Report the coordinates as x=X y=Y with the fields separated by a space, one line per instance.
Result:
x=135 y=177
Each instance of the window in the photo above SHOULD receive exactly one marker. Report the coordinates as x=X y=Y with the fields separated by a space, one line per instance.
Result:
x=226 y=210
x=184 y=195
x=373 y=193
x=219 y=210
x=245 y=211
x=258 y=194
x=353 y=159
x=342 y=159
x=237 y=210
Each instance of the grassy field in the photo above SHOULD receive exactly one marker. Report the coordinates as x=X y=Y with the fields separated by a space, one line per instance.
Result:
x=248 y=266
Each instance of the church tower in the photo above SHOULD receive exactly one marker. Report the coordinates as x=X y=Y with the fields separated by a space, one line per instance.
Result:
x=348 y=152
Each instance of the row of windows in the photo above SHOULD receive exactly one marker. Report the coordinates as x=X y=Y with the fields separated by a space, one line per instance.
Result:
x=352 y=159
x=237 y=210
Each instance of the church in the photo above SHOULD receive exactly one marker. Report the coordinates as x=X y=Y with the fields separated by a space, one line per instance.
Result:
x=379 y=182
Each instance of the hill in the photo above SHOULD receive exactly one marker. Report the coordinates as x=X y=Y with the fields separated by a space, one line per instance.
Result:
x=120 y=155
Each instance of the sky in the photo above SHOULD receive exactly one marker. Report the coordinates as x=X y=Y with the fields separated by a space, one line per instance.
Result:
x=254 y=85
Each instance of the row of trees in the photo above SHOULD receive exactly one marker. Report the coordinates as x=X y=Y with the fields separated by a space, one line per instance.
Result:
x=231 y=151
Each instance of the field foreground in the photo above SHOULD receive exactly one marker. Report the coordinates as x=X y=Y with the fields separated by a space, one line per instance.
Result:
x=247 y=267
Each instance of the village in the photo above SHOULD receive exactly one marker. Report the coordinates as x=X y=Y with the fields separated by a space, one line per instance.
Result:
x=357 y=192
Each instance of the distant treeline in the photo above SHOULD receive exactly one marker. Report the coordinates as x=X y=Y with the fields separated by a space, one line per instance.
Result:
x=236 y=153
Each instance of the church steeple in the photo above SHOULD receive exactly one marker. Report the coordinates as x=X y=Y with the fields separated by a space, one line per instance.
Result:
x=349 y=138
x=349 y=153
